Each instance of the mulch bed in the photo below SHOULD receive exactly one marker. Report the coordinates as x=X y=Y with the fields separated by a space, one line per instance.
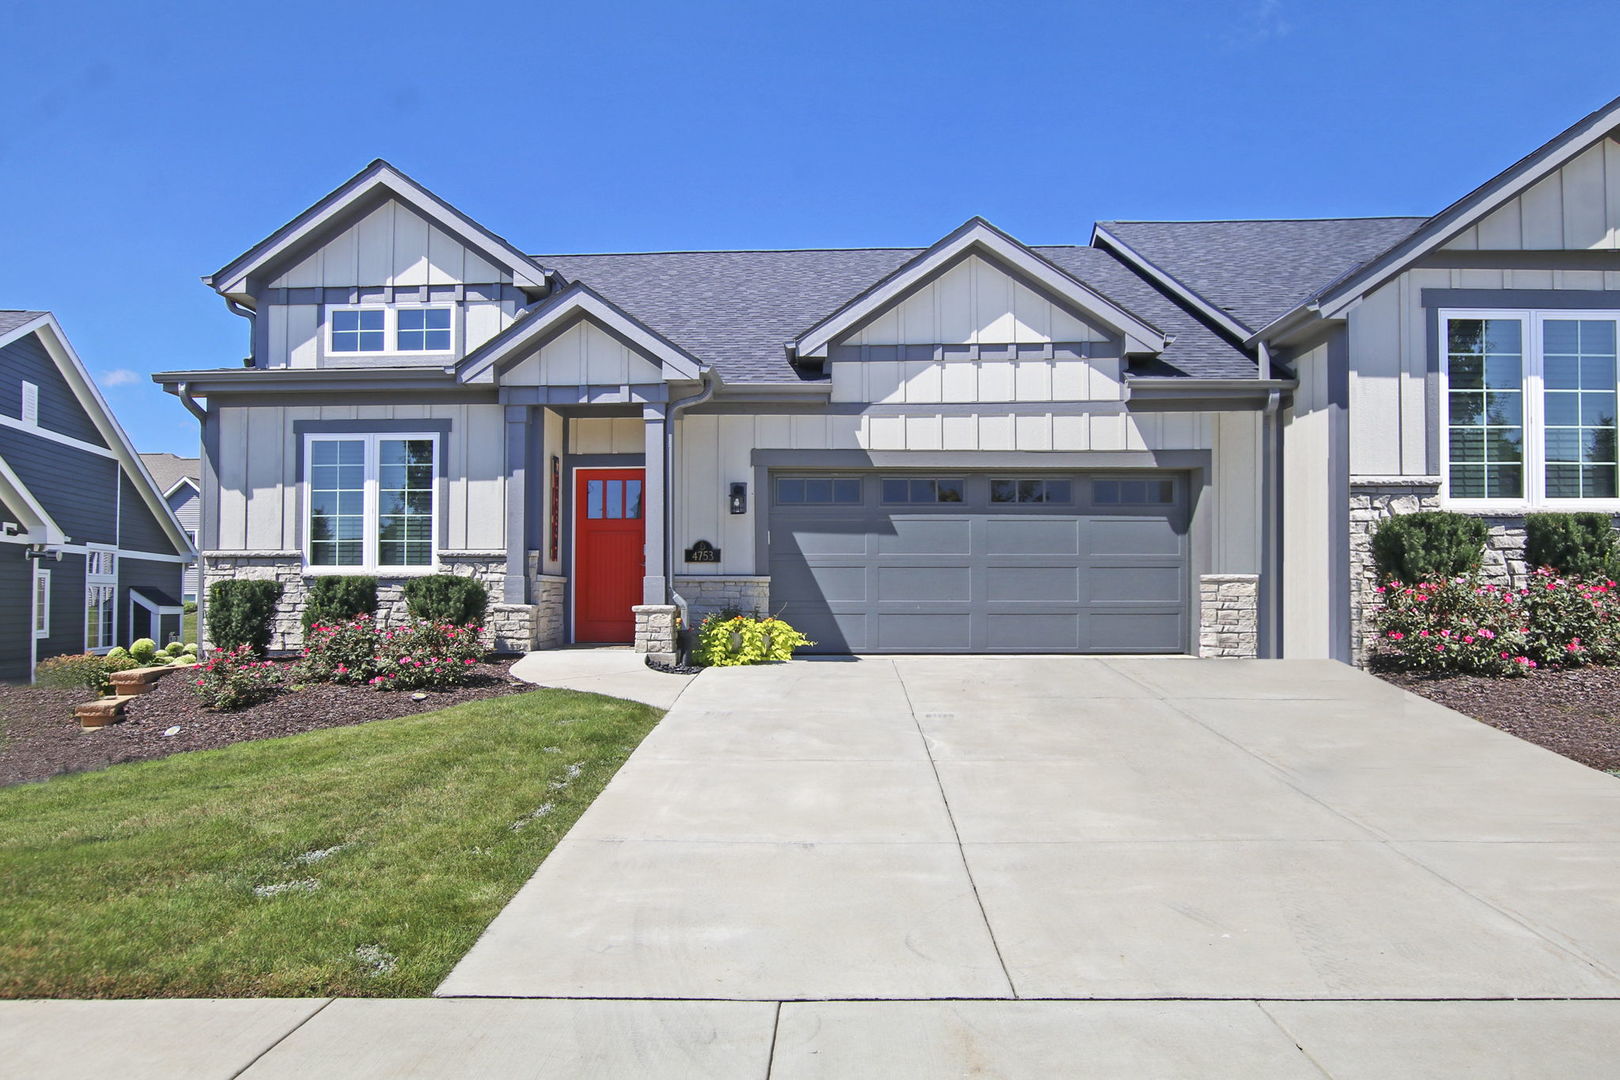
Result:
x=39 y=737
x=1573 y=712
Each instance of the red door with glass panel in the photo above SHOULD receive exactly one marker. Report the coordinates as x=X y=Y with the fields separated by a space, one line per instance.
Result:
x=610 y=542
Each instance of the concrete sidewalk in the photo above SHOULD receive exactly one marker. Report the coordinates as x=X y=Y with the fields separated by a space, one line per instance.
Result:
x=615 y=671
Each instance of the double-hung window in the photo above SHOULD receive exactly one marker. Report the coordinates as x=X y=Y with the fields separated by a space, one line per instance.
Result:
x=1530 y=408
x=100 y=599
x=371 y=501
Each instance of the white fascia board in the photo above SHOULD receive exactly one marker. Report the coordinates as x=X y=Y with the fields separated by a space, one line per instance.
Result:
x=42 y=528
x=89 y=395
x=578 y=300
x=174 y=487
x=1139 y=336
x=1146 y=266
x=232 y=280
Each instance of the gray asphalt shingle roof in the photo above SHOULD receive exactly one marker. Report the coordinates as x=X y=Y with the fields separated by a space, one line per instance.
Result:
x=737 y=309
x=169 y=469
x=11 y=319
x=1259 y=270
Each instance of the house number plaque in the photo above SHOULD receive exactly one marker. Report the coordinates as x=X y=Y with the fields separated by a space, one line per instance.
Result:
x=702 y=551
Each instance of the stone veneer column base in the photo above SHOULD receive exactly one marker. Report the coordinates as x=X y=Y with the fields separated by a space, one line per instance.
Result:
x=1228 y=615
x=655 y=632
x=1373 y=500
x=706 y=594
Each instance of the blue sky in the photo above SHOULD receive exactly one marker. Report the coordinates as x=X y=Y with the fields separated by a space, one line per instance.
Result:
x=145 y=145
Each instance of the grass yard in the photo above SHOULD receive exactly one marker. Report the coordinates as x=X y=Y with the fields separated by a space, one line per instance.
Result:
x=359 y=861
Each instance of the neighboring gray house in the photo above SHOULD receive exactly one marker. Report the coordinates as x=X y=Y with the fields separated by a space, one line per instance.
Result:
x=1173 y=439
x=180 y=480
x=90 y=554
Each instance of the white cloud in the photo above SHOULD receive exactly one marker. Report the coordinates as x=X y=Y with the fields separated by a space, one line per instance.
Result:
x=1264 y=21
x=120 y=377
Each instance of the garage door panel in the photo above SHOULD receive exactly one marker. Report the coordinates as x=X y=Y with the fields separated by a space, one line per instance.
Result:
x=926 y=536
x=924 y=583
x=1033 y=633
x=923 y=633
x=833 y=584
x=1131 y=632
x=1134 y=536
x=1032 y=536
x=825 y=537
x=1138 y=584
x=1060 y=584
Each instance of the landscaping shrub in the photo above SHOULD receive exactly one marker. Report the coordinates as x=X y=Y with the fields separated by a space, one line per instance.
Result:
x=1431 y=545
x=1582 y=545
x=1572 y=622
x=75 y=670
x=144 y=650
x=337 y=597
x=174 y=648
x=447 y=598
x=419 y=655
x=239 y=613
x=742 y=639
x=235 y=678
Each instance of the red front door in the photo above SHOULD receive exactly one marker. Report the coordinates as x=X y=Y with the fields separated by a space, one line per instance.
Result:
x=609 y=553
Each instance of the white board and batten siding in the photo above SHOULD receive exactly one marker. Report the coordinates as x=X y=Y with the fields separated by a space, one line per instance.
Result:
x=391 y=246
x=1307 y=512
x=583 y=355
x=973 y=303
x=1576 y=208
x=259 y=484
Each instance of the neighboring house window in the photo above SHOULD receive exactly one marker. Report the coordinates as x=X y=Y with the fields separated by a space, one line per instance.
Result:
x=843 y=490
x=422 y=329
x=1029 y=491
x=372 y=500
x=42 y=602
x=1530 y=407
x=358 y=329
x=100 y=594
x=922 y=489
x=30 y=403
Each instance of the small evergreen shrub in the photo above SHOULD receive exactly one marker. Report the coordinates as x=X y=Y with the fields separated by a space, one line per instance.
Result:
x=447 y=598
x=1431 y=545
x=239 y=613
x=144 y=650
x=1581 y=545
x=337 y=598
x=235 y=678
x=742 y=639
x=76 y=670
x=174 y=648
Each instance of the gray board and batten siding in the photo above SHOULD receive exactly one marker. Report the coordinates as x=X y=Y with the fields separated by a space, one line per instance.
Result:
x=861 y=572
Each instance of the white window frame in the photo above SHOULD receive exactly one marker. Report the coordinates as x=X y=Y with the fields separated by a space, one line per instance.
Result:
x=42 y=603
x=390 y=329
x=103 y=579
x=1534 y=457
x=372 y=439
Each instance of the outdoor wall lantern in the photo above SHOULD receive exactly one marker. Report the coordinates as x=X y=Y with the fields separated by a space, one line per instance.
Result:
x=739 y=498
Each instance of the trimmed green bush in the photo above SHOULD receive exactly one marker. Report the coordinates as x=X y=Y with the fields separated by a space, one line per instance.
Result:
x=1580 y=545
x=447 y=598
x=338 y=598
x=1431 y=545
x=174 y=648
x=86 y=670
x=239 y=613
x=143 y=649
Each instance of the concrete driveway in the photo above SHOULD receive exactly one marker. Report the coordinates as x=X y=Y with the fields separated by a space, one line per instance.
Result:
x=1298 y=847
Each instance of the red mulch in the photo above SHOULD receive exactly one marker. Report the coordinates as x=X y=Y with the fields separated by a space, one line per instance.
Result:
x=39 y=738
x=1574 y=712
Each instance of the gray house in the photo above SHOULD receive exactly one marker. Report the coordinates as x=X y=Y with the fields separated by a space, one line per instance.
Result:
x=1175 y=437
x=91 y=556
x=180 y=480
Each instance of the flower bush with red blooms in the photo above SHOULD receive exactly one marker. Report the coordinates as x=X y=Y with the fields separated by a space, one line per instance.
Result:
x=1461 y=625
x=235 y=678
x=419 y=655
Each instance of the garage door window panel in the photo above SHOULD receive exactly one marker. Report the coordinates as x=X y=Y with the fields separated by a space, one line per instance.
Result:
x=1026 y=490
x=819 y=490
x=922 y=490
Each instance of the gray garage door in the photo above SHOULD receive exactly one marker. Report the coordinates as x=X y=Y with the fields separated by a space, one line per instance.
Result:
x=968 y=562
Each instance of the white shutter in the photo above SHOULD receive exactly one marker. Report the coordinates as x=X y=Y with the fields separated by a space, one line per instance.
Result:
x=30 y=403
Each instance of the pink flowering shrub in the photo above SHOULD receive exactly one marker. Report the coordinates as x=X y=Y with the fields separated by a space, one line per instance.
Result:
x=418 y=655
x=1462 y=625
x=234 y=679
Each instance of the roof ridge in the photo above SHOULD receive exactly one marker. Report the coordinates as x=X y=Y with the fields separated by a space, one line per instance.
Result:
x=716 y=251
x=1260 y=221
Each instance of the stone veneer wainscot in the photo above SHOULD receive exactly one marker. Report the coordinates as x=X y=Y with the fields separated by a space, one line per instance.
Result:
x=1229 y=615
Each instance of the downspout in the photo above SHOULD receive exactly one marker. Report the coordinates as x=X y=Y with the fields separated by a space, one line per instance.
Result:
x=1271 y=528
x=253 y=325
x=676 y=407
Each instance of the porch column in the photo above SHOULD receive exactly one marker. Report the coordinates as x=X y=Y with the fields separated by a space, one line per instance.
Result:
x=654 y=506
x=516 y=587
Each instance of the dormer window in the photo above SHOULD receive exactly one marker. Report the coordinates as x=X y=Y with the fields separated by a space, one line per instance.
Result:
x=390 y=329
x=359 y=329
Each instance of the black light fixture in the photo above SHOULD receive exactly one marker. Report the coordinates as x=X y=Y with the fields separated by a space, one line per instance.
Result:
x=739 y=498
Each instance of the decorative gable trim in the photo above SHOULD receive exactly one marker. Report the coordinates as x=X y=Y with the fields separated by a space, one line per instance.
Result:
x=1101 y=237
x=184 y=481
x=378 y=178
x=979 y=235
x=531 y=331
x=40 y=527
x=1336 y=296
x=89 y=396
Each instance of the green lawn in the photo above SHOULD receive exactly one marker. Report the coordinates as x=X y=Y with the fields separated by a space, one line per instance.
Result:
x=356 y=861
x=188 y=627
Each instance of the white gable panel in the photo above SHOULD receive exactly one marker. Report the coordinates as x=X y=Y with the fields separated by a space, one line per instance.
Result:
x=1576 y=208
x=584 y=354
x=973 y=302
x=392 y=245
